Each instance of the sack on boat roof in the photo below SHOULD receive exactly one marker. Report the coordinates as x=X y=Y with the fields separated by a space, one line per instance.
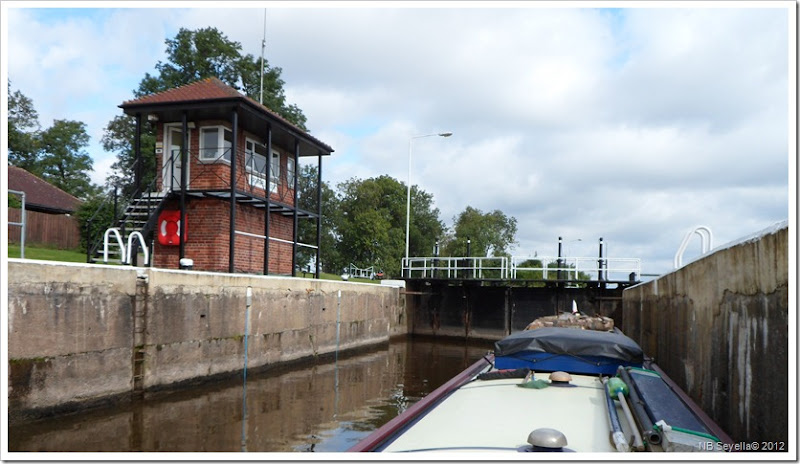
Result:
x=577 y=321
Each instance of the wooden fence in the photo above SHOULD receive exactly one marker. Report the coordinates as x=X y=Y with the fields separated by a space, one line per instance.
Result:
x=53 y=230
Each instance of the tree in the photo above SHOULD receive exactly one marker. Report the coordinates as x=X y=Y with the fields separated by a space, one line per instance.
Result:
x=94 y=214
x=193 y=55
x=307 y=229
x=64 y=162
x=23 y=132
x=491 y=234
x=371 y=227
x=118 y=137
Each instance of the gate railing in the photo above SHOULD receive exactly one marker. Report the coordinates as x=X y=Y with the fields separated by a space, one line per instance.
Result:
x=456 y=267
x=547 y=267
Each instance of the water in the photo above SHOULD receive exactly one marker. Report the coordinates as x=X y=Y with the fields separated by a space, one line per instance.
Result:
x=324 y=407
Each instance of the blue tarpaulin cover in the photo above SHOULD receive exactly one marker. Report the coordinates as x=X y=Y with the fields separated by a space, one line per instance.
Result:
x=574 y=342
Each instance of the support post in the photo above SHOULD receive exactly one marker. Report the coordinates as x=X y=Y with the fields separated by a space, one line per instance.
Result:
x=268 y=194
x=319 y=214
x=294 y=207
x=601 y=275
x=184 y=167
x=470 y=264
x=137 y=173
x=558 y=261
x=137 y=150
x=234 y=162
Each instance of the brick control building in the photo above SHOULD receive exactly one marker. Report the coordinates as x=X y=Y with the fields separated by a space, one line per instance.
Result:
x=227 y=169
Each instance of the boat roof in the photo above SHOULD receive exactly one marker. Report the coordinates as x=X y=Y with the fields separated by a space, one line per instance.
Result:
x=575 y=342
x=497 y=415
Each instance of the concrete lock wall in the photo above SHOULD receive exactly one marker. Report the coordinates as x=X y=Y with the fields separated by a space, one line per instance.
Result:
x=719 y=328
x=83 y=334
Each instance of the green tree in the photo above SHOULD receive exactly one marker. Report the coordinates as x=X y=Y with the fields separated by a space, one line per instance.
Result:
x=307 y=229
x=491 y=234
x=23 y=132
x=94 y=214
x=193 y=55
x=371 y=227
x=65 y=162
x=552 y=273
x=530 y=274
x=118 y=138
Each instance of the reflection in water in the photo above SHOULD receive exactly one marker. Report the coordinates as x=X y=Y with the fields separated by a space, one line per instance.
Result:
x=322 y=407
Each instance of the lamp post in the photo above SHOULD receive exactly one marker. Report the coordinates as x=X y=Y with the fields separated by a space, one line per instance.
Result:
x=408 y=195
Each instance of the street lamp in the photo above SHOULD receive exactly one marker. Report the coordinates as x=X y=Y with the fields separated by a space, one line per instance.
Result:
x=408 y=195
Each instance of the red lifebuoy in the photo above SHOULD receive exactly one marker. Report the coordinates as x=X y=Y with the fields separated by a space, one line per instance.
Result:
x=169 y=227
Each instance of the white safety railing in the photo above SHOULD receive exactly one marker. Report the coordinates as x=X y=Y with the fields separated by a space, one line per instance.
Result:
x=124 y=253
x=22 y=222
x=362 y=273
x=571 y=267
x=456 y=267
x=706 y=243
x=549 y=267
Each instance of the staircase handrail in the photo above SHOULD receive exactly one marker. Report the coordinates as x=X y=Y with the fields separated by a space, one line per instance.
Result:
x=137 y=193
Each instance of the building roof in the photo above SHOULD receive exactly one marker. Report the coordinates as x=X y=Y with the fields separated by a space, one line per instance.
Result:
x=207 y=89
x=210 y=90
x=39 y=194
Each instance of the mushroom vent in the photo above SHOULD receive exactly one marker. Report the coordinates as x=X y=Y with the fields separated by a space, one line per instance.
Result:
x=560 y=379
x=546 y=440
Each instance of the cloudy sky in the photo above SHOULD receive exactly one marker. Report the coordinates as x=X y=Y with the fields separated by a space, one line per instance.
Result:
x=634 y=124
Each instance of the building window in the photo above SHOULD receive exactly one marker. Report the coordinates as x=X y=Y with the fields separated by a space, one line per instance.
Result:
x=215 y=143
x=255 y=158
x=255 y=161
x=275 y=168
x=290 y=173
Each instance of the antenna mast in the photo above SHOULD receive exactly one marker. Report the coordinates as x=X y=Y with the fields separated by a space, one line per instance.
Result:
x=263 y=46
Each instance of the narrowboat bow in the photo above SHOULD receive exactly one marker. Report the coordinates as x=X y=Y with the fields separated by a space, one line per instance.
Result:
x=554 y=389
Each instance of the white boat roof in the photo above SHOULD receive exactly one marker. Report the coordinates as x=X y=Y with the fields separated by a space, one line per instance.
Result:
x=497 y=415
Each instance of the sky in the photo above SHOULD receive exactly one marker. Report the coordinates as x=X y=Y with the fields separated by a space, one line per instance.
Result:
x=630 y=121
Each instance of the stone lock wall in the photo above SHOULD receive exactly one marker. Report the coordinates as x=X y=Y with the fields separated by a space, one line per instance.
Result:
x=719 y=328
x=84 y=334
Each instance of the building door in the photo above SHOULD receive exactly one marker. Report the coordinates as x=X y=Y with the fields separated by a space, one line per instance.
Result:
x=172 y=166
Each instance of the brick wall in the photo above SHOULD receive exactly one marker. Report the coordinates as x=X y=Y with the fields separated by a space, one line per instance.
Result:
x=205 y=175
x=208 y=242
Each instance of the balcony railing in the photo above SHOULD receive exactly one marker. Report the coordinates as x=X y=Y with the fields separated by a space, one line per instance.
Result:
x=204 y=173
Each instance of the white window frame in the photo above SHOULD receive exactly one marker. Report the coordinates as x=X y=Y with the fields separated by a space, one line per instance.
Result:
x=275 y=170
x=166 y=156
x=220 y=149
x=255 y=178
x=290 y=172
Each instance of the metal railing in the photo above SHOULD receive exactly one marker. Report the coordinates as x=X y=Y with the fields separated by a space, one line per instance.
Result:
x=249 y=175
x=571 y=268
x=706 y=244
x=363 y=273
x=547 y=267
x=456 y=267
x=21 y=224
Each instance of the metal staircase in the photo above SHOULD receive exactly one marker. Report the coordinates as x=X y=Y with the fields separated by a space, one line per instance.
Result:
x=140 y=216
x=140 y=213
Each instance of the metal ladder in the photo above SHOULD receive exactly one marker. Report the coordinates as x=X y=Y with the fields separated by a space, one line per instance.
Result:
x=706 y=243
x=124 y=253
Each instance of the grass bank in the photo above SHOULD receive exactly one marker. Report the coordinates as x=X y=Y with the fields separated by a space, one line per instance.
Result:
x=50 y=254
